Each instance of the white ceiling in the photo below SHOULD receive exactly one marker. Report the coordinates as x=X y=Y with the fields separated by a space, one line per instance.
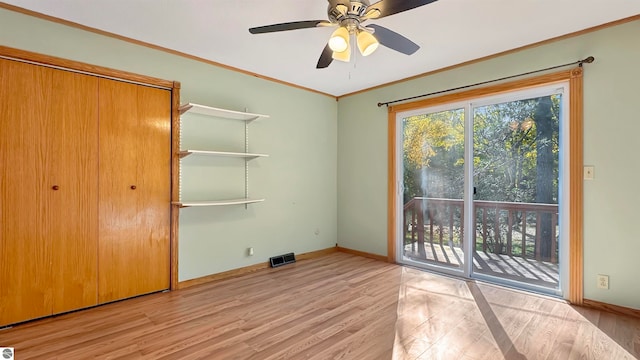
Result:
x=449 y=32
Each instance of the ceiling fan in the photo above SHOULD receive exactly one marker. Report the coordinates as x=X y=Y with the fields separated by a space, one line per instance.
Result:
x=349 y=17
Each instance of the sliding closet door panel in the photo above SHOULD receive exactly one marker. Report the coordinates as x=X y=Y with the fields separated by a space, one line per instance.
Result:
x=25 y=258
x=48 y=190
x=154 y=180
x=134 y=196
x=72 y=166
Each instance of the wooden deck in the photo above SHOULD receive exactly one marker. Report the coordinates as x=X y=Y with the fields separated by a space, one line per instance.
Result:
x=338 y=306
x=540 y=273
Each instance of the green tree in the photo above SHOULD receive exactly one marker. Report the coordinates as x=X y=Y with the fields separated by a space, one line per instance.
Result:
x=545 y=169
x=504 y=151
x=515 y=155
x=433 y=148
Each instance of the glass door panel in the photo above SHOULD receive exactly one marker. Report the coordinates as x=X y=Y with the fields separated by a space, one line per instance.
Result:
x=432 y=188
x=516 y=180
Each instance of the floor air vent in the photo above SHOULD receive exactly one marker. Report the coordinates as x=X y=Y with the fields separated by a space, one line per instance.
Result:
x=282 y=260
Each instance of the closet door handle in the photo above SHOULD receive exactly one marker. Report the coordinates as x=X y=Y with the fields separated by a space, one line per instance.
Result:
x=55 y=187
x=133 y=187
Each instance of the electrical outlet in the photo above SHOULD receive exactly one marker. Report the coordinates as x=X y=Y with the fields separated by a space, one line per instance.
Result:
x=603 y=281
x=589 y=172
x=250 y=251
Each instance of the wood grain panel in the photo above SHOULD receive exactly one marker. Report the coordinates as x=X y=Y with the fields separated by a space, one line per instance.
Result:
x=135 y=175
x=615 y=309
x=154 y=189
x=71 y=163
x=175 y=181
x=49 y=187
x=25 y=257
x=391 y=187
x=49 y=137
x=48 y=60
x=576 y=201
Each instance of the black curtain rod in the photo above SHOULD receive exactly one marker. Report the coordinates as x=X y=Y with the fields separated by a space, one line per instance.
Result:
x=588 y=60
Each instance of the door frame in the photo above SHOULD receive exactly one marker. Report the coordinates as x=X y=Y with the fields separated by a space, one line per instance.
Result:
x=104 y=72
x=574 y=228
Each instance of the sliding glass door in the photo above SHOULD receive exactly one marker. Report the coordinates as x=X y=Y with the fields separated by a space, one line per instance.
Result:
x=516 y=152
x=433 y=187
x=481 y=188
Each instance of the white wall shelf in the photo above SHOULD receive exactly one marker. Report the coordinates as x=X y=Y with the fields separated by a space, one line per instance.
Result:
x=216 y=202
x=219 y=113
x=248 y=156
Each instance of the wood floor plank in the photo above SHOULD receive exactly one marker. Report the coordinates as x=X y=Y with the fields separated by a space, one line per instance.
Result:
x=338 y=306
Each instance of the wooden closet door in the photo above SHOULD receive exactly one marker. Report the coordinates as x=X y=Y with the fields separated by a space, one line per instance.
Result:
x=25 y=257
x=72 y=166
x=135 y=174
x=48 y=244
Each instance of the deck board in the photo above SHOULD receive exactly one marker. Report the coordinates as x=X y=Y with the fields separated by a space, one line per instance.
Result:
x=516 y=268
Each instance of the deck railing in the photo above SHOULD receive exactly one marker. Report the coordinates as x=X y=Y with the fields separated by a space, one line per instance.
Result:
x=528 y=230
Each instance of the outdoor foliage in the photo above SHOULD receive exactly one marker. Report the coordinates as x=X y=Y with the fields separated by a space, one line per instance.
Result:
x=515 y=154
x=434 y=155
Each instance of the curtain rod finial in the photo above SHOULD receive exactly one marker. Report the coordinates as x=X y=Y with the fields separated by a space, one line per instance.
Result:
x=588 y=60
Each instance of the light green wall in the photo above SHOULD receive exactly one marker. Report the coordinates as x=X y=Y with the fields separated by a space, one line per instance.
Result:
x=611 y=128
x=298 y=179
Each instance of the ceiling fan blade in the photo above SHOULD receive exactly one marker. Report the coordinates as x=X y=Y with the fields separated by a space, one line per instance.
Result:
x=390 y=7
x=289 y=26
x=393 y=40
x=325 y=58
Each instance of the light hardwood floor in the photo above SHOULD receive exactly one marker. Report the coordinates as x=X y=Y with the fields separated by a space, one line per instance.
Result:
x=339 y=306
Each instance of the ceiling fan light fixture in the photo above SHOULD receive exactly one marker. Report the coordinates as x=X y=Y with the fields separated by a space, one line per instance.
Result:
x=367 y=43
x=348 y=17
x=343 y=55
x=339 y=41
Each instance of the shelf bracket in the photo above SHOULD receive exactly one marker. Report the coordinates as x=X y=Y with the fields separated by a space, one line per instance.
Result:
x=179 y=135
x=246 y=161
